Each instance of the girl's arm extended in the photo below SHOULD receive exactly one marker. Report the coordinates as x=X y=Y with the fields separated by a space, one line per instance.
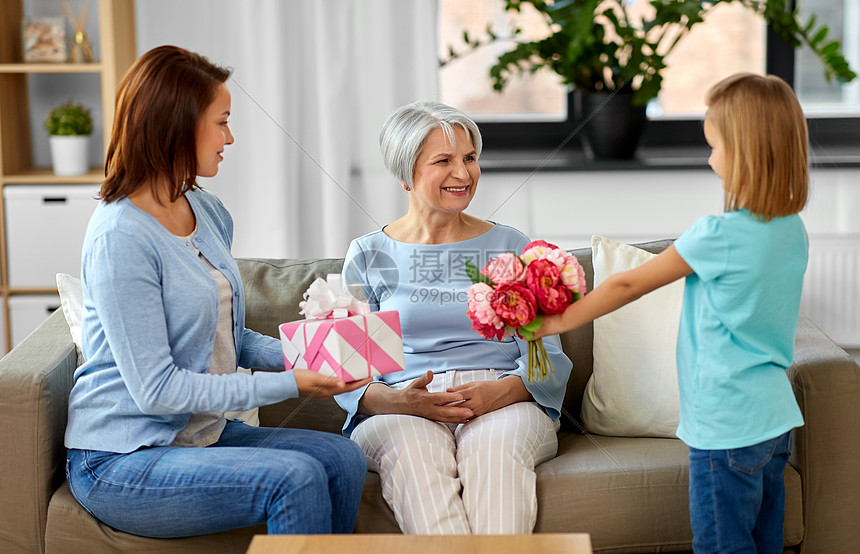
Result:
x=618 y=290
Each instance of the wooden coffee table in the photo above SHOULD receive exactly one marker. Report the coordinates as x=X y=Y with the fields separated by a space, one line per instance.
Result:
x=539 y=543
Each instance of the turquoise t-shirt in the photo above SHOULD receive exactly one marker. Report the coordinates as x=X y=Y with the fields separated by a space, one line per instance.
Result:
x=737 y=331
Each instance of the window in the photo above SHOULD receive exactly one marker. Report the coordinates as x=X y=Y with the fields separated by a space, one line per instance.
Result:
x=533 y=108
x=818 y=96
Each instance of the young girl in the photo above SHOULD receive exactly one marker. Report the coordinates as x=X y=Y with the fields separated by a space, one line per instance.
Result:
x=744 y=272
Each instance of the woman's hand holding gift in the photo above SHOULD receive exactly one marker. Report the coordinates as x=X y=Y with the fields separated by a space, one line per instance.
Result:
x=311 y=383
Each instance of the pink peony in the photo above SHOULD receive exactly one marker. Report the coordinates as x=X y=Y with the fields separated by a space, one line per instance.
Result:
x=514 y=303
x=484 y=318
x=540 y=243
x=543 y=279
x=572 y=274
x=538 y=249
x=573 y=277
x=505 y=268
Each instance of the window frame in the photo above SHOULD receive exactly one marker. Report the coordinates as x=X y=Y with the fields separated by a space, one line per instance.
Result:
x=780 y=61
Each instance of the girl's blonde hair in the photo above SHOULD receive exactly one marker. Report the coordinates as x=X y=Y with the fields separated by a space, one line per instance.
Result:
x=765 y=140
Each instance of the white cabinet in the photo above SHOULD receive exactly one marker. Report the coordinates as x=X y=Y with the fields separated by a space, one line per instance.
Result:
x=26 y=312
x=45 y=227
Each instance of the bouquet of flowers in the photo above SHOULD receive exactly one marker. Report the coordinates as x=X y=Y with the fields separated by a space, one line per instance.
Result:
x=512 y=291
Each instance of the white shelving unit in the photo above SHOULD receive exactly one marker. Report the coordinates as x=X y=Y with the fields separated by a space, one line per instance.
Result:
x=116 y=51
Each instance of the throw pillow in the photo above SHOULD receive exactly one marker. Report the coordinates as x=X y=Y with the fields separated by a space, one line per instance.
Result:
x=71 y=299
x=633 y=391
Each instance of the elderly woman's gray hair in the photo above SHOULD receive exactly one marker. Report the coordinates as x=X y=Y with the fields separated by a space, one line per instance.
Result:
x=406 y=129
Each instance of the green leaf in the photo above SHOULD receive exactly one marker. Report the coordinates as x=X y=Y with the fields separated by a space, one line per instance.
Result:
x=810 y=24
x=528 y=330
x=534 y=324
x=819 y=36
x=830 y=48
x=475 y=274
x=490 y=32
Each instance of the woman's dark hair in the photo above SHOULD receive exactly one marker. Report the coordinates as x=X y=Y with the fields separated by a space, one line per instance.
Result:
x=158 y=106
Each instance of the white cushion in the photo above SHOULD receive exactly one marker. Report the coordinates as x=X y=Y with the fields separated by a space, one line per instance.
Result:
x=633 y=391
x=71 y=299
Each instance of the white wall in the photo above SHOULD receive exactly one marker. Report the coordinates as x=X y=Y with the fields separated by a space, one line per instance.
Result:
x=567 y=208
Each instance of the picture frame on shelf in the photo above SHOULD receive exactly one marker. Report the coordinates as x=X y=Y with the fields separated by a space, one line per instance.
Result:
x=44 y=40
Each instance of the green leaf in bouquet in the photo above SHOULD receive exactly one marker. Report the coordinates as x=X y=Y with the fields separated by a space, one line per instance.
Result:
x=527 y=331
x=475 y=274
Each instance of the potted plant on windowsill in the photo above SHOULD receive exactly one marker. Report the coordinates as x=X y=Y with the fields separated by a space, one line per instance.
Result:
x=70 y=126
x=613 y=60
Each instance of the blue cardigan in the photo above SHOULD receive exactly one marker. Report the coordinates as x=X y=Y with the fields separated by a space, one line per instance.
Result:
x=150 y=308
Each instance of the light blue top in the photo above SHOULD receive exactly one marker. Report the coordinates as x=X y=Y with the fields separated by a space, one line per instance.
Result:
x=427 y=285
x=149 y=317
x=737 y=331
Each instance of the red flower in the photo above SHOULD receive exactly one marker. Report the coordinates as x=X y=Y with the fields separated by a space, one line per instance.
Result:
x=514 y=303
x=484 y=319
x=543 y=279
x=541 y=243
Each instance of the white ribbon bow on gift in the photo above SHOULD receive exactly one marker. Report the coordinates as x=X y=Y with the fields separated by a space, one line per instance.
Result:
x=326 y=299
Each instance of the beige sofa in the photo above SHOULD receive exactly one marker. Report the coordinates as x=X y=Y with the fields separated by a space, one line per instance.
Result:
x=630 y=494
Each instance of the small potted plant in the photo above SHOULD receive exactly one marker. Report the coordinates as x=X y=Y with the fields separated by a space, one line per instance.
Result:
x=609 y=54
x=70 y=126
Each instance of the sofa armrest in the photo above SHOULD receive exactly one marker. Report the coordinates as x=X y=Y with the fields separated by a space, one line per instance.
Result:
x=35 y=380
x=826 y=382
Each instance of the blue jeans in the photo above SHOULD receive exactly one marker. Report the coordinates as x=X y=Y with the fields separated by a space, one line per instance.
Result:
x=737 y=498
x=294 y=480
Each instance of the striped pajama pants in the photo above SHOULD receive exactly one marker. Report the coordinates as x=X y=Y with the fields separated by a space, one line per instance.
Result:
x=477 y=477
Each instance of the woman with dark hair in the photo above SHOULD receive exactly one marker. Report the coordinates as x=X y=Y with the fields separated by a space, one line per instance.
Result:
x=150 y=451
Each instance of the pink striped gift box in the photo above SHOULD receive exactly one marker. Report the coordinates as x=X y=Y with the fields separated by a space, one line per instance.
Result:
x=351 y=348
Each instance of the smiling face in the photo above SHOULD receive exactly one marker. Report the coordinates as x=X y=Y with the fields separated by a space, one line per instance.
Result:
x=213 y=133
x=446 y=175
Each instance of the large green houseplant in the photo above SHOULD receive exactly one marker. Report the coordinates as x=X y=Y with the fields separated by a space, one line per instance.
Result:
x=598 y=46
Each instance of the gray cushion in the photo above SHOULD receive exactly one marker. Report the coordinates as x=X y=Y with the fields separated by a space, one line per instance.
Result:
x=274 y=288
x=630 y=491
x=71 y=529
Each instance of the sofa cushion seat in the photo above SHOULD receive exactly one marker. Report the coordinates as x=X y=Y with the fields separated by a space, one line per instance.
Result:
x=72 y=529
x=630 y=493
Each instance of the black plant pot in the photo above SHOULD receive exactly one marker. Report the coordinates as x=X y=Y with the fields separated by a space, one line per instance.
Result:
x=611 y=124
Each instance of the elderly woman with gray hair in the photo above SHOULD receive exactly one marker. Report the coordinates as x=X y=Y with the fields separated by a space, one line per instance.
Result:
x=457 y=435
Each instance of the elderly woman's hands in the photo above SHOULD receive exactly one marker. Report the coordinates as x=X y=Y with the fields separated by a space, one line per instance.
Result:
x=416 y=400
x=486 y=396
x=456 y=405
